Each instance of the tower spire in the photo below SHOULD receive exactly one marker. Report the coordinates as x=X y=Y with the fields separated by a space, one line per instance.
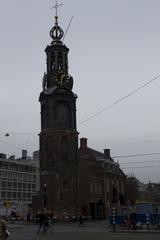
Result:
x=56 y=32
x=56 y=6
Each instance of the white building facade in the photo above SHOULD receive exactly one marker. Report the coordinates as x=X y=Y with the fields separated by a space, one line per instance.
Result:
x=19 y=181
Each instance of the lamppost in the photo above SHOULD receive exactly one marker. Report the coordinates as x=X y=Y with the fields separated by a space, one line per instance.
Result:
x=58 y=193
x=44 y=178
x=44 y=195
x=105 y=194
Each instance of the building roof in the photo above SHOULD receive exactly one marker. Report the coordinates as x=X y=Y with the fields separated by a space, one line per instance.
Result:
x=101 y=157
x=24 y=162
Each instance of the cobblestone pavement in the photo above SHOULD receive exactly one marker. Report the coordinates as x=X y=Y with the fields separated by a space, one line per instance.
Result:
x=73 y=232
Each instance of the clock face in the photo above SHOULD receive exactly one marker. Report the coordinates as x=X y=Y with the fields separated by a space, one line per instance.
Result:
x=59 y=78
x=68 y=82
x=63 y=80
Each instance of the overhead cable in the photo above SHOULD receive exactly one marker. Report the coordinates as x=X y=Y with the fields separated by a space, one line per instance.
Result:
x=120 y=100
x=142 y=167
x=137 y=155
x=140 y=162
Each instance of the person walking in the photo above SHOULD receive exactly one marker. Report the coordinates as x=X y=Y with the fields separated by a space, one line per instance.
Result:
x=42 y=222
x=28 y=218
x=3 y=229
x=51 y=222
x=81 y=220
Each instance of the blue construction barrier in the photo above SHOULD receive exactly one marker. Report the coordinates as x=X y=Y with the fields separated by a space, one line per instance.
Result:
x=142 y=218
x=138 y=218
x=155 y=219
x=119 y=219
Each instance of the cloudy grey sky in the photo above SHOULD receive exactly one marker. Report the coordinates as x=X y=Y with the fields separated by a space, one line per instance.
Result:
x=114 y=49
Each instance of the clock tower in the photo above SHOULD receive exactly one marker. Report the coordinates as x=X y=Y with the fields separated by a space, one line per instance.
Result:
x=58 y=136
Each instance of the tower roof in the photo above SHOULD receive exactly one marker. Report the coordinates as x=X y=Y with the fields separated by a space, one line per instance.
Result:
x=56 y=32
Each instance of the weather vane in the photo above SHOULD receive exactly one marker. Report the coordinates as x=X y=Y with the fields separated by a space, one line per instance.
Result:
x=56 y=32
x=56 y=6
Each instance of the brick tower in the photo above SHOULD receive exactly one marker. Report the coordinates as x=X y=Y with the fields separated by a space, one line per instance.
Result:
x=59 y=136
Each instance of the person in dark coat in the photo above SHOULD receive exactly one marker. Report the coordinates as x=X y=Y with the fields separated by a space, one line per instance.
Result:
x=81 y=220
x=3 y=229
x=41 y=221
x=28 y=218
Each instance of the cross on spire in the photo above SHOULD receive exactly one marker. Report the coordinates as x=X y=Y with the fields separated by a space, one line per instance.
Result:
x=56 y=32
x=56 y=6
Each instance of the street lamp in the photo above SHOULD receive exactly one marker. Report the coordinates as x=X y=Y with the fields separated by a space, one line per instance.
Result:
x=44 y=176
x=44 y=195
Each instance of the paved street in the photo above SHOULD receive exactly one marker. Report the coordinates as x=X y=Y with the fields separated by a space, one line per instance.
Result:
x=73 y=232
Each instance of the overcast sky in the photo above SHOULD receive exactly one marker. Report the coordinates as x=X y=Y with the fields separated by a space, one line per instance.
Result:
x=114 y=49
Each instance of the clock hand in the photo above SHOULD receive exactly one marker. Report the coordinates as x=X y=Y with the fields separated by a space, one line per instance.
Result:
x=62 y=77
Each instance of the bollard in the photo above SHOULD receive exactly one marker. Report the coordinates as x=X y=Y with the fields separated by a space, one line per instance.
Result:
x=147 y=220
x=114 y=219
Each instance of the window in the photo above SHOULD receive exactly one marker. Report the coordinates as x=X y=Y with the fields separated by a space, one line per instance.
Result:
x=96 y=188
x=122 y=186
x=14 y=195
x=117 y=185
x=9 y=185
x=107 y=184
x=64 y=161
x=4 y=174
x=91 y=188
x=19 y=177
x=64 y=144
x=100 y=189
x=19 y=195
x=29 y=196
x=14 y=175
x=59 y=61
x=53 y=64
x=8 y=195
x=24 y=196
x=3 y=195
x=19 y=186
x=65 y=185
x=63 y=113
x=3 y=185
x=9 y=175
x=29 y=178
x=14 y=185
x=66 y=62
x=25 y=177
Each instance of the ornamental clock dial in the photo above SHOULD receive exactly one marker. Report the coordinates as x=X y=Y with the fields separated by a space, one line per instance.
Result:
x=63 y=80
x=59 y=78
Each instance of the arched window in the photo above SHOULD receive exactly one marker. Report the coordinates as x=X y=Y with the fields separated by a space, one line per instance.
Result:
x=59 y=61
x=64 y=143
x=66 y=63
x=63 y=113
x=53 y=62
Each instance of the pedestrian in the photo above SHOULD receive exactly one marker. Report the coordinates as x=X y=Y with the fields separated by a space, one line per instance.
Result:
x=13 y=216
x=129 y=223
x=42 y=222
x=4 y=233
x=28 y=218
x=36 y=218
x=51 y=222
x=133 y=220
x=81 y=220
